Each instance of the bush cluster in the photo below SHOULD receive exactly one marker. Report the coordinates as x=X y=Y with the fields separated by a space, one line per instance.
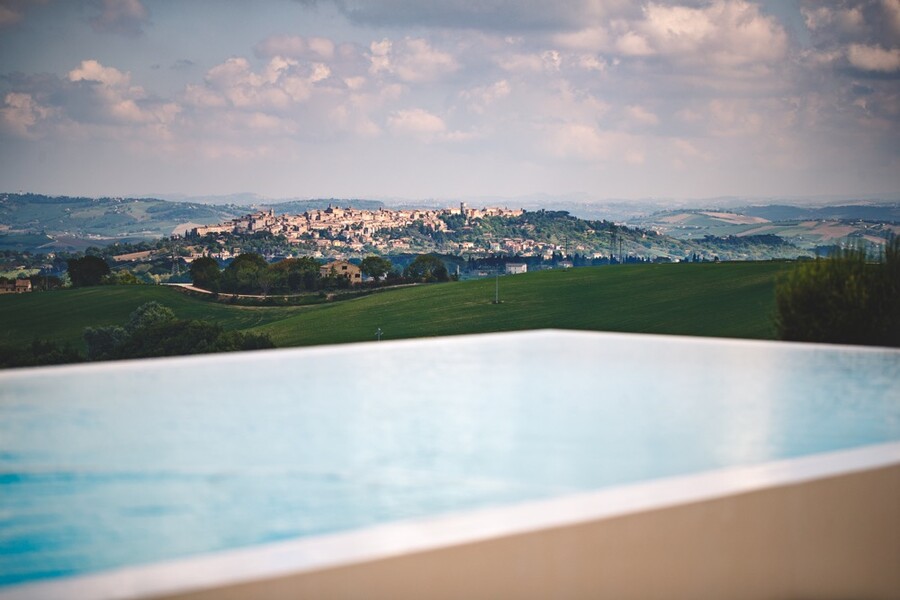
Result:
x=153 y=330
x=843 y=299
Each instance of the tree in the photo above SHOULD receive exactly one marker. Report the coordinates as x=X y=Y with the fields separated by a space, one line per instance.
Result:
x=87 y=271
x=376 y=267
x=427 y=268
x=842 y=299
x=205 y=273
x=242 y=275
x=148 y=315
x=295 y=274
x=103 y=343
x=39 y=352
x=123 y=278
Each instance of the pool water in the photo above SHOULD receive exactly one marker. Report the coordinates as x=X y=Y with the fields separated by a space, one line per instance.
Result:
x=126 y=463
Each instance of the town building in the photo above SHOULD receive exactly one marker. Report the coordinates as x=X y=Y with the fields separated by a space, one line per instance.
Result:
x=516 y=268
x=338 y=229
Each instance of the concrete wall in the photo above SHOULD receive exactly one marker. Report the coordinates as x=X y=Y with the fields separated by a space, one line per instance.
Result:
x=837 y=537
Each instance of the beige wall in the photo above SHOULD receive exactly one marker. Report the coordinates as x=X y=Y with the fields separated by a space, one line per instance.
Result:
x=831 y=538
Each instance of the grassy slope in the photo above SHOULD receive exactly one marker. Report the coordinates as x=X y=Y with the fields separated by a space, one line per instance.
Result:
x=63 y=315
x=732 y=300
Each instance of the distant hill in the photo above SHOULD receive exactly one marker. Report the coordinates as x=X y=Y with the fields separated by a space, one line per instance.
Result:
x=807 y=227
x=889 y=213
x=67 y=221
x=296 y=207
x=36 y=221
x=248 y=201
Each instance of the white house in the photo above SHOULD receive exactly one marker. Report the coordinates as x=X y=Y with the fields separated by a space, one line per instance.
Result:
x=516 y=268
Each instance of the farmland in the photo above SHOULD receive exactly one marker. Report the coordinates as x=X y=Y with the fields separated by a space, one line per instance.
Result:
x=711 y=299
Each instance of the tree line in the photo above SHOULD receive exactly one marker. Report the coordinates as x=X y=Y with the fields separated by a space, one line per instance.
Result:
x=151 y=330
x=250 y=273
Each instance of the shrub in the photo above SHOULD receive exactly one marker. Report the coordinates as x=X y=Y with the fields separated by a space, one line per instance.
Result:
x=39 y=352
x=153 y=330
x=842 y=299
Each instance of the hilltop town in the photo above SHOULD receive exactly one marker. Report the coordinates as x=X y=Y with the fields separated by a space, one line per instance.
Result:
x=338 y=231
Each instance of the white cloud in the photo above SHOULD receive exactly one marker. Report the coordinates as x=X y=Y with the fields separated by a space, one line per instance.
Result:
x=91 y=70
x=380 y=56
x=518 y=62
x=484 y=15
x=633 y=44
x=892 y=15
x=281 y=83
x=353 y=121
x=578 y=141
x=410 y=60
x=634 y=157
x=873 y=58
x=546 y=61
x=11 y=12
x=425 y=127
x=649 y=85
x=125 y=17
x=242 y=88
x=725 y=33
x=640 y=115
x=717 y=34
x=848 y=20
x=836 y=27
x=480 y=98
x=116 y=97
x=595 y=37
x=733 y=118
x=21 y=113
x=295 y=46
x=687 y=151
x=203 y=97
x=291 y=46
x=416 y=122
x=589 y=62
x=321 y=46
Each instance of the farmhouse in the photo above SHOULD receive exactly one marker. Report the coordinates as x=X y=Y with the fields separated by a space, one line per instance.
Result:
x=19 y=287
x=342 y=268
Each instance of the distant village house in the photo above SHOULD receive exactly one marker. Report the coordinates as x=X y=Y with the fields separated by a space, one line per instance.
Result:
x=341 y=268
x=516 y=268
x=20 y=286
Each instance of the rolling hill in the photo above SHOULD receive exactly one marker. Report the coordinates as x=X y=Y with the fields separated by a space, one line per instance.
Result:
x=721 y=299
x=808 y=228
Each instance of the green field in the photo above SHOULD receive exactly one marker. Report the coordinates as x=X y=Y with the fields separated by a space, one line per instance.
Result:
x=62 y=315
x=724 y=299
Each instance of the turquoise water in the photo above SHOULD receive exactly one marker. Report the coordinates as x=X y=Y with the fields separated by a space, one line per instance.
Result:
x=109 y=465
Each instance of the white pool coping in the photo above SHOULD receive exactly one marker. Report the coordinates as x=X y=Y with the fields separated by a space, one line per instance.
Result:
x=400 y=538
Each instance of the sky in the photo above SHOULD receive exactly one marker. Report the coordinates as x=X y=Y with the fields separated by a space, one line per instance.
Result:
x=422 y=99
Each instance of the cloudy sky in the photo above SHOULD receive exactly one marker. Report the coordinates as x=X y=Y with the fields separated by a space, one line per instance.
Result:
x=450 y=98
